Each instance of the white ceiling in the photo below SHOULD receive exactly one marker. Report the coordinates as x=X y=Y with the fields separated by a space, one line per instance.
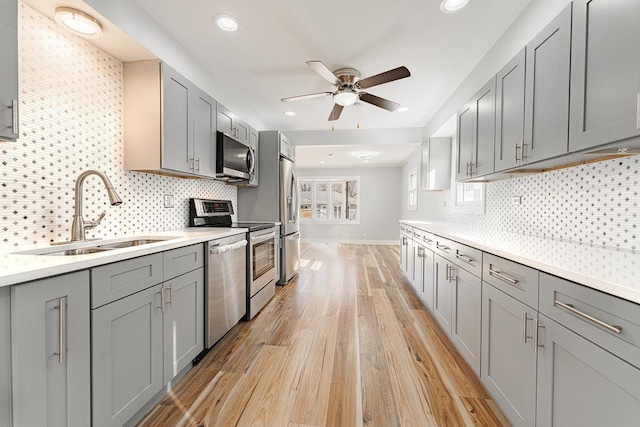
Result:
x=265 y=60
x=348 y=156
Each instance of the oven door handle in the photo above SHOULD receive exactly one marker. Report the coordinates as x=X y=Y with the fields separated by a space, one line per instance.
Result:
x=263 y=237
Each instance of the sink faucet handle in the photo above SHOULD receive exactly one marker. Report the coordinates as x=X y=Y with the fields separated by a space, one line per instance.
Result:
x=93 y=224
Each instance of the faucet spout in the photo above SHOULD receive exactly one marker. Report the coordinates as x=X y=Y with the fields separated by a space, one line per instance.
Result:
x=78 y=228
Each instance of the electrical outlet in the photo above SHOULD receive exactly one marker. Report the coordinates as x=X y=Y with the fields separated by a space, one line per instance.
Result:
x=168 y=200
x=516 y=200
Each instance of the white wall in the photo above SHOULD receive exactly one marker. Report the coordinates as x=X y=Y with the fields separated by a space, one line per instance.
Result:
x=379 y=212
x=429 y=202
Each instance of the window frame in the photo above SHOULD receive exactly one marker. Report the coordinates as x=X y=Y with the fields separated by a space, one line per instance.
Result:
x=470 y=206
x=330 y=180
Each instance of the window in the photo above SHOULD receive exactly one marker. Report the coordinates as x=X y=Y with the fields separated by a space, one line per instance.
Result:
x=470 y=197
x=330 y=200
x=413 y=190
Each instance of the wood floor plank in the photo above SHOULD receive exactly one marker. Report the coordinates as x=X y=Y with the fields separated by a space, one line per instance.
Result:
x=341 y=411
x=315 y=382
x=387 y=320
x=346 y=358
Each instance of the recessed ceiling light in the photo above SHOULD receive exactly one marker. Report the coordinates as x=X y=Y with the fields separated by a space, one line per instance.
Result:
x=452 y=6
x=290 y=113
x=402 y=109
x=226 y=22
x=322 y=162
x=79 y=23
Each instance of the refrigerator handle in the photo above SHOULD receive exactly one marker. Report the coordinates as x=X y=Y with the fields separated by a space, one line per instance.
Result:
x=293 y=208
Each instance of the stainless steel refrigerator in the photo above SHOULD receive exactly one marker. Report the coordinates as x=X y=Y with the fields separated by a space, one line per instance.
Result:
x=276 y=198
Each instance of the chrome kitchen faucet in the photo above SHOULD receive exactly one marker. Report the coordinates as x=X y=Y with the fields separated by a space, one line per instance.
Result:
x=79 y=226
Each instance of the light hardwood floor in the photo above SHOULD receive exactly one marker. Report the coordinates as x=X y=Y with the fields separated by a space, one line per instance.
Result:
x=347 y=343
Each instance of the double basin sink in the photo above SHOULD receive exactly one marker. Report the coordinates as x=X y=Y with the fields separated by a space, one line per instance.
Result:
x=99 y=247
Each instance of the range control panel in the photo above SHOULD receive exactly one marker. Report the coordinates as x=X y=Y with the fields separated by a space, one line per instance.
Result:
x=204 y=207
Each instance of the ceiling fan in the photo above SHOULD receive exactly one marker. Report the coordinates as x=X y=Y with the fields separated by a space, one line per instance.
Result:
x=349 y=87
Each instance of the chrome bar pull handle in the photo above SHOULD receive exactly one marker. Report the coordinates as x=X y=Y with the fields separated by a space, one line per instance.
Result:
x=515 y=149
x=525 y=320
x=62 y=334
x=523 y=155
x=443 y=248
x=536 y=335
x=162 y=302
x=170 y=289
x=197 y=164
x=503 y=277
x=446 y=273
x=14 y=115
x=570 y=308
x=465 y=258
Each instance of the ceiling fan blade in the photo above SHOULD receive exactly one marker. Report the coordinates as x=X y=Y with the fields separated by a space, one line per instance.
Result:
x=324 y=71
x=386 y=77
x=335 y=113
x=379 y=102
x=309 y=96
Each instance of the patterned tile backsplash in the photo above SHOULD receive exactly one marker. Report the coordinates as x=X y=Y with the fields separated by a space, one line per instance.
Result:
x=71 y=121
x=596 y=204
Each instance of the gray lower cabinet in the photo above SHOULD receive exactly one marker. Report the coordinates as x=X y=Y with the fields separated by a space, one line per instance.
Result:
x=9 y=70
x=466 y=309
x=442 y=293
x=605 y=87
x=581 y=384
x=510 y=93
x=406 y=256
x=426 y=279
x=418 y=268
x=183 y=321
x=127 y=365
x=546 y=125
x=5 y=356
x=508 y=357
x=51 y=351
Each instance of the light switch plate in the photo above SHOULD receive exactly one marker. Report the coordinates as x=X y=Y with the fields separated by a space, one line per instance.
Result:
x=168 y=200
x=516 y=200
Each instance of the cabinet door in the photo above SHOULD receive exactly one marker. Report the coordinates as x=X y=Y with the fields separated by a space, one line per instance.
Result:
x=510 y=113
x=508 y=357
x=177 y=141
x=442 y=293
x=466 y=320
x=183 y=322
x=546 y=126
x=225 y=121
x=51 y=351
x=127 y=356
x=581 y=384
x=418 y=268
x=9 y=70
x=5 y=357
x=243 y=132
x=483 y=159
x=605 y=72
x=466 y=137
x=427 y=279
x=204 y=134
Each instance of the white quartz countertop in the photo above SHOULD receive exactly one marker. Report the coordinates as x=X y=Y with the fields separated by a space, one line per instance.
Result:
x=610 y=270
x=18 y=268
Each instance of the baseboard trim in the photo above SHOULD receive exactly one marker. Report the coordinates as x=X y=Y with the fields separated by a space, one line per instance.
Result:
x=351 y=241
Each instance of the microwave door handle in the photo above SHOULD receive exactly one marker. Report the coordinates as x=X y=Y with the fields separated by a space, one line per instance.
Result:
x=250 y=160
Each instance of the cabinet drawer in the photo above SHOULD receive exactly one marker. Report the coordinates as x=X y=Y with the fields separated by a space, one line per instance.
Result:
x=468 y=258
x=517 y=280
x=444 y=247
x=424 y=238
x=608 y=321
x=182 y=260
x=405 y=230
x=120 y=279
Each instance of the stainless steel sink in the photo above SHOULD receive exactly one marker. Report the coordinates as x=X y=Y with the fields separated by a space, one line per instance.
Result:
x=78 y=251
x=130 y=243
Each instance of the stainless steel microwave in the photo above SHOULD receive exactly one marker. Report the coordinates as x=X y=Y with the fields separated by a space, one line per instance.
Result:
x=235 y=161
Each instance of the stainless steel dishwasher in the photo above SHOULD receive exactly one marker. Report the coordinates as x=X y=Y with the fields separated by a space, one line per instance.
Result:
x=226 y=290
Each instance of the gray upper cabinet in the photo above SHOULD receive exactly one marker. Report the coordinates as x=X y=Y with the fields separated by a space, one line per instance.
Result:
x=581 y=384
x=510 y=93
x=605 y=72
x=169 y=123
x=5 y=357
x=546 y=126
x=508 y=357
x=229 y=123
x=9 y=70
x=51 y=351
x=204 y=134
x=127 y=366
x=476 y=134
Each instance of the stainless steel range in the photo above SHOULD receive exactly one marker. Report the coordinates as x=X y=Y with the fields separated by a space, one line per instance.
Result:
x=262 y=250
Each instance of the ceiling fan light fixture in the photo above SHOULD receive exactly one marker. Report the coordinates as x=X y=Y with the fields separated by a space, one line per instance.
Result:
x=345 y=97
x=452 y=6
x=226 y=22
x=79 y=23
